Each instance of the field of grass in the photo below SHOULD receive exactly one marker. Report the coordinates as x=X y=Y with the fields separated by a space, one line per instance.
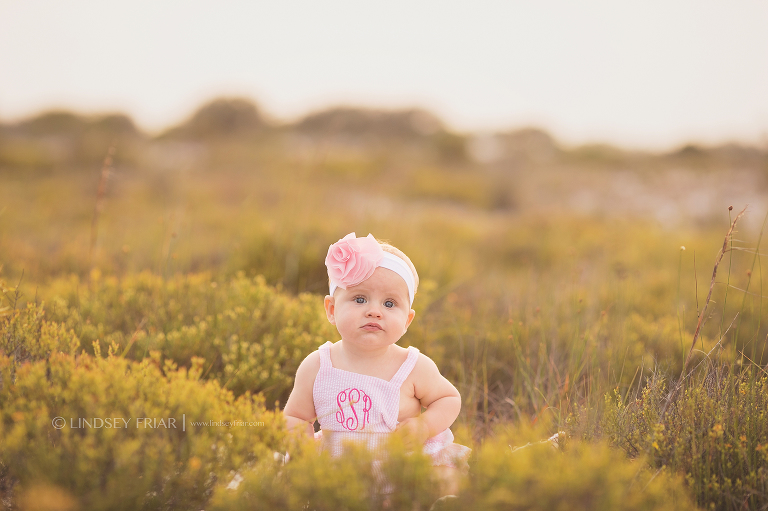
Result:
x=186 y=278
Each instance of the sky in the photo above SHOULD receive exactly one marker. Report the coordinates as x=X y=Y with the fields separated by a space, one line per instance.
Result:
x=648 y=75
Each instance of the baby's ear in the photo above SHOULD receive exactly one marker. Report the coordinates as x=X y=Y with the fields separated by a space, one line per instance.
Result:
x=411 y=315
x=330 y=309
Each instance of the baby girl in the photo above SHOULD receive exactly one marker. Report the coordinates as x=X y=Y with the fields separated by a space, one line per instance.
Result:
x=365 y=387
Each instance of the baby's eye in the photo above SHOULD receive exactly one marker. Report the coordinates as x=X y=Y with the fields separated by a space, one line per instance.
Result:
x=389 y=304
x=359 y=299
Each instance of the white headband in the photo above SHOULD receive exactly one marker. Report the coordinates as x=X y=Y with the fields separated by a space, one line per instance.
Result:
x=397 y=265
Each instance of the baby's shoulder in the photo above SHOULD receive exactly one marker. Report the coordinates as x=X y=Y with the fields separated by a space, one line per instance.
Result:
x=310 y=366
x=424 y=367
x=312 y=358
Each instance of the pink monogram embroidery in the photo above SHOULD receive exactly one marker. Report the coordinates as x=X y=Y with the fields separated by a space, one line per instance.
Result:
x=353 y=396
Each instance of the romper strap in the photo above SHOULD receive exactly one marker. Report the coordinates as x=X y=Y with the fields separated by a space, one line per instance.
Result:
x=325 y=355
x=406 y=368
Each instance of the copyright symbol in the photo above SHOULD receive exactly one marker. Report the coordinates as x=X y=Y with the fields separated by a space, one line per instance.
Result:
x=59 y=422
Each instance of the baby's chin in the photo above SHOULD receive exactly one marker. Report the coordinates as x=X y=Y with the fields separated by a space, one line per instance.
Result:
x=370 y=341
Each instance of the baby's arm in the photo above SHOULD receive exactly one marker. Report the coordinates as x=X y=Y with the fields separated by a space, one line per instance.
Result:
x=299 y=411
x=437 y=395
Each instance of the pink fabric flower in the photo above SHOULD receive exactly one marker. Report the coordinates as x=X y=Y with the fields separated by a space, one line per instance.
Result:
x=352 y=260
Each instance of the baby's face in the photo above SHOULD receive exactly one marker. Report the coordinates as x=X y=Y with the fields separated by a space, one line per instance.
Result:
x=374 y=313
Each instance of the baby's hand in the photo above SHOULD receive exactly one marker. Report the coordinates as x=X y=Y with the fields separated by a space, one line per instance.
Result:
x=414 y=432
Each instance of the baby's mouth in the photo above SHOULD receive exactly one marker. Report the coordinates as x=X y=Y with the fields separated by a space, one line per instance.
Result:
x=371 y=327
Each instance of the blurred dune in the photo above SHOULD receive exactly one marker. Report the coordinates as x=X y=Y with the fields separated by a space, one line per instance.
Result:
x=407 y=154
x=221 y=118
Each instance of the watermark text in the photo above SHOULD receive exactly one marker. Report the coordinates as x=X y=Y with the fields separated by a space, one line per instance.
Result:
x=145 y=423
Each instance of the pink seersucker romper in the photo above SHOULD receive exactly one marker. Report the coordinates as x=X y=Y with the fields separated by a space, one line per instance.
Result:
x=352 y=406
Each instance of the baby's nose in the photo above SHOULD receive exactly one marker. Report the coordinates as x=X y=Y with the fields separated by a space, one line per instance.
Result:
x=374 y=311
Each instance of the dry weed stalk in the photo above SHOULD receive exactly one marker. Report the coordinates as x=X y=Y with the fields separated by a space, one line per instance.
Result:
x=676 y=388
x=100 y=195
x=703 y=313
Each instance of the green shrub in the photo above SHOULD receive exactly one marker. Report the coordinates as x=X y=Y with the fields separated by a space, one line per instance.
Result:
x=169 y=465
x=251 y=336
x=715 y=432
x=314 y=480
x=25 y=335
x=584 y=476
